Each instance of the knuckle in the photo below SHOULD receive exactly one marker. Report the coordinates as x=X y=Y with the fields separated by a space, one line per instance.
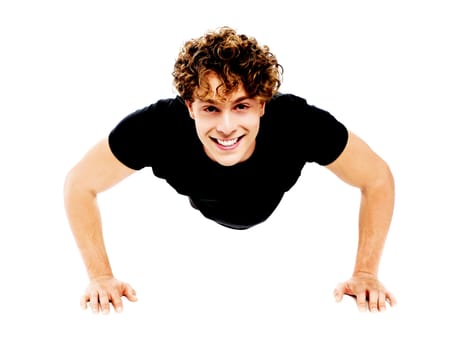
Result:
x=373 y=306
x=361 y=305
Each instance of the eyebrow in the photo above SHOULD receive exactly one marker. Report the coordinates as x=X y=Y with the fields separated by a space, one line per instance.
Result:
x=239 y=99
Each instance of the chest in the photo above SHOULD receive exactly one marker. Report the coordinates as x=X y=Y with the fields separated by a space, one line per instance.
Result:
x=192 y=174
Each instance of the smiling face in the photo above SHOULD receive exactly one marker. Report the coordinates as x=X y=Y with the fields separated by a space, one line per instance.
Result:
x=226 y=127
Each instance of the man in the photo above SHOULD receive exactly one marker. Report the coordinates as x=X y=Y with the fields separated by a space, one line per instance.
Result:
x=234 y=145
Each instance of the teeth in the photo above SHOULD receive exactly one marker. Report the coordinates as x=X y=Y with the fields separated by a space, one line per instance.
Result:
x=227 y=143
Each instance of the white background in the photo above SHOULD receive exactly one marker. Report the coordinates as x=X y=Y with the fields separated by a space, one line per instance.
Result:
x=71 y=70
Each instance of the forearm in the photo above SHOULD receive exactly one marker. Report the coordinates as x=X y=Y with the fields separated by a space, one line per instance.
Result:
x=85 y=223
x=376 y=210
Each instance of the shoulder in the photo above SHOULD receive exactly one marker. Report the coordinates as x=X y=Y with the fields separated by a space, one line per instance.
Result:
x=286 y=108
x=175 y=104
x=286 y=100
x=136 y=137
x=291 y=108
x=161 y=114
x=306 y=129
x=163 y=107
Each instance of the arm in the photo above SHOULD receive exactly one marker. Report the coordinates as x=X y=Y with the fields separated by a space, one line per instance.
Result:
x=97 y=171
x=359 y=166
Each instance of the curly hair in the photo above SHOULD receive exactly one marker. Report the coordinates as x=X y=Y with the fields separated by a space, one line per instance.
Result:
x=235 y=58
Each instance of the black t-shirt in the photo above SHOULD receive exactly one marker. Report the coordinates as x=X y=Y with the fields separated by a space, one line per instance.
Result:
x=292 y=132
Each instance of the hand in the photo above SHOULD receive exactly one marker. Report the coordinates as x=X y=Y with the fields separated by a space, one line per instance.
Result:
x=105 y=290
x=368 y=292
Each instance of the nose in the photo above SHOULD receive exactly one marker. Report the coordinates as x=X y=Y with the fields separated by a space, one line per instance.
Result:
x=226 y=123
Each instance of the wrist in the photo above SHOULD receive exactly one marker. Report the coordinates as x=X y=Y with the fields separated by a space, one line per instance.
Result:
x=364 y=274
x=100 y=276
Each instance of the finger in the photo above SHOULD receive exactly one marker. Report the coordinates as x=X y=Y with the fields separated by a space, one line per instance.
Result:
x=117 y=302
x=130 y=293
x=373 y=298
x=382 y=301
x=361 y=299
x=338 y=294
x=391 y=299
x=94 y=302
x=83 y=301
x=104 y=303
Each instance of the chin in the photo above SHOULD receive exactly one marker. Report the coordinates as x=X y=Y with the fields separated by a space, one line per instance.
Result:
x=226 y=162
x=226 y=158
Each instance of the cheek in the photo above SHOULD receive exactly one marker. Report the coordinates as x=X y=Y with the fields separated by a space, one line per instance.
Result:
x=201 y=127
x=254 y=125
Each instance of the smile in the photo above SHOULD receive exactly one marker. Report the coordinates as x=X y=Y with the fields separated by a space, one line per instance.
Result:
x=227 y=143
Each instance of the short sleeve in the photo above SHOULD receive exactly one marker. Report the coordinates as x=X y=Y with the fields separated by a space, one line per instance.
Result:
x=310 y=134
x=130 y=140
x=326 y=136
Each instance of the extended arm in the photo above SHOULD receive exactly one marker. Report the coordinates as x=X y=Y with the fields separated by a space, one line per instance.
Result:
x=97 y=171
x=359 y=166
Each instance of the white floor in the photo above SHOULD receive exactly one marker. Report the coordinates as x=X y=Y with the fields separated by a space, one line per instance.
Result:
x=69 y=73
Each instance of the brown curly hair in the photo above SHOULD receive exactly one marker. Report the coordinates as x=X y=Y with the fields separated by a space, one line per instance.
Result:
x=235 y=58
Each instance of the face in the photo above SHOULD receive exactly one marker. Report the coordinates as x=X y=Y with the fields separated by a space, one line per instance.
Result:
x=228 y=128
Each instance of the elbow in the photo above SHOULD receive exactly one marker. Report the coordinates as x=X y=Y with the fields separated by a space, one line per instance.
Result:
x=74 y=184
x=70 y=185
x=382 y=181
x=386 y=177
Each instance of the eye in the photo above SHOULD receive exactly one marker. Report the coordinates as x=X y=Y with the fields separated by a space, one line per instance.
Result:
x=242 y=106
x=210 y=109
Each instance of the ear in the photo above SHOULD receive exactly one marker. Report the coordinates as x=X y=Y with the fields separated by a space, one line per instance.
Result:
x=189 y=108
x=262 y=108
